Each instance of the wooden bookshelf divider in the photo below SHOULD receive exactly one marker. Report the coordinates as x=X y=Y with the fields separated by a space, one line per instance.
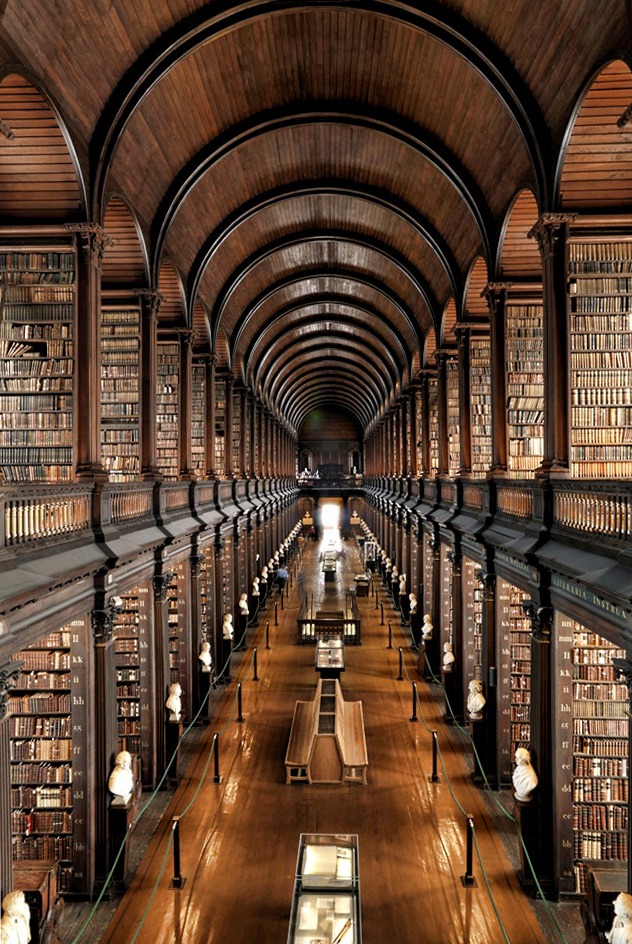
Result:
x=120 y=392
x=127 y=656
x=472 y=609
x=178 y=619
x=37 y=358
x=524 y=336
x=480 y=405
x=48 y=755
x=454 y=417
x=600 y=284
x=433 y=424
x=220 y=423
x=236 y=433
x=168 y=399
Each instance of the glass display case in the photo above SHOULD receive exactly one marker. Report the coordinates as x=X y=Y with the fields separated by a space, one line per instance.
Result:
x=330 y=657
x=326 y=901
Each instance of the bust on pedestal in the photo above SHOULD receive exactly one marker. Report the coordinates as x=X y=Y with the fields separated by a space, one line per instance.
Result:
x=227 y=645
x=122 y=786
x=121 y=782
x=621 y=931
x=427 y=627
x=524 y=777
x=174 y=701
x=448 y=657
x=205 y=658
x=476 y=701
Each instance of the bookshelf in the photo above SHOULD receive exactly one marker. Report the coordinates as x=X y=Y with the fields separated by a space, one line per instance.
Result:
x=48 y=755
x=236 y=434
x=37 y=327
x=120 y=392
x=480 y=406
x=198 y=420
x=168 y=397
x=595 y=803
x=126 y=655
x=433 y=424
x=454 y=417
x=220 y=418
x=420 y=430
x=600 y=286
x=178 y=618
x=473 y=622
x=525 y=388
x=513 y=639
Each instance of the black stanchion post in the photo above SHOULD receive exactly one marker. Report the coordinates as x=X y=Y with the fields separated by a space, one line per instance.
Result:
x=390 y=635
x=276 y=613
x=216 y=777
x=282 y=597
x=240 y=716
x=414 y=714
x=267 y=634
x=382 y=611
x=177 y=881
x=255 y=677
x=400 y=677
x=435 y=750
x=468 y=879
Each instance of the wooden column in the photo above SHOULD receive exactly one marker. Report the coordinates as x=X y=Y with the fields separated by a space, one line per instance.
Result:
x=199 y=686
x=485 y=730
x=456 y=559
x=552 y=233
x=162 y=582
x=425 y=425
x=414 y=431
x=244 y=461
x=623 y=668
x=150 y=305
x=184 y=404
x=104 y=736
x=496 y=295
x=253 y=466
x=404 y=436
x=9 y=674
x=91 y=244
x=463 y=335
x=209 y=446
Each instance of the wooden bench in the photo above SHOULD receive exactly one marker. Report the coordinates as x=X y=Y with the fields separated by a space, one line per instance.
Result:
x=327 y=742
x=299 y=747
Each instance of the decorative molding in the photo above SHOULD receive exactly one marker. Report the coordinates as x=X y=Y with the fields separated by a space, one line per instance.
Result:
x=103 y=623
x=93 y=241
x=541 y=618
x=9 y=675
x=162 y=582
x=549 y=229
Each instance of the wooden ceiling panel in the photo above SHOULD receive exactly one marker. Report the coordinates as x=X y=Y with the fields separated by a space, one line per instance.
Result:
x=124 y=262
x=520 y=256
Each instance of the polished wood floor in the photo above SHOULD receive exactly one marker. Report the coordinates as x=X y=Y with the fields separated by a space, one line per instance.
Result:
x=239 y=839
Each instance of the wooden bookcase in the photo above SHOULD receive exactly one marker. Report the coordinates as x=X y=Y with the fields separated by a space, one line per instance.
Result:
x=127 y=655
x=433 y=425
x=220 y=422
x=513 y=641
x=167 y=409
x=600 y=284
x=594 y=753
x=178 y=617
x=524 y=342
x=37 y=361
x=472 y=608
x=48 y=754
x=480 y=406
x=198 y=420
x=120 y=392
x=454 y=417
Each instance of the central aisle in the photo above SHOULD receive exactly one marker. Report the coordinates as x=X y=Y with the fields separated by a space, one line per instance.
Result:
x=239 y=839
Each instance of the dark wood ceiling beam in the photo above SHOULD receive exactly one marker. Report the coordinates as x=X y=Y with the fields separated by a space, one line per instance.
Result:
x=213 y=20
x=239 y=275
x=313 y=394
x=280 y=391
x=339 y=188
x=257 y=365
x=314 y=402
x=348 y=275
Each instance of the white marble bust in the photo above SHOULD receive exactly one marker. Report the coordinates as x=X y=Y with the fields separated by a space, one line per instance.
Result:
x=227 y=627
x=264 y=573
x=402 y=583
x=448 y=657
x=205 y=657
x=524 y=777
x=427 y=627
x=121 y=782
x=255 y=587
x=174 y=701
x=16 y=916
x=412 y=599
x=621 y=931
x=243 y=604
x=476 y=701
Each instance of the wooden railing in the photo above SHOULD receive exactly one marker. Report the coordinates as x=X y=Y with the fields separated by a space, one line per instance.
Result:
x=594 y=506
x=38 y=513
x=515 y=499
x=128 y=504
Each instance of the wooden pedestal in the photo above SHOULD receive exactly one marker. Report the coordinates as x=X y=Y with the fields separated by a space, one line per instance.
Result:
x=528 y=818
x=38 y=880
x=121 y=818
x=174 y=732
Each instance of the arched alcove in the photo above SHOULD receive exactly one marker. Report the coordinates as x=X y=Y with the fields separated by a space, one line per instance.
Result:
x=519 y=256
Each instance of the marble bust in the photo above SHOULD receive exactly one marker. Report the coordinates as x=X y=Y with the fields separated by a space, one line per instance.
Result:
x=402 y=583
x=475 y=700
x=255 y=587
x=621 y=931
x=524 y=777
x=121 y=782
x=448 y=657
x=243 y=604
x=174 y=701
x=427 y=627
x=205 y=657
x=16 y=917
x=412 y=599
x=227 y=627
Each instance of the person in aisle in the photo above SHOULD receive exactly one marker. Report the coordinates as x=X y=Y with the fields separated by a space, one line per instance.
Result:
x=174 y=701
x=205 y=657
x=301 y=585
x=621 y=931
x=281 y=577
x=121 y=783
x=476 y=701
x=15 y=926
x=524 y=777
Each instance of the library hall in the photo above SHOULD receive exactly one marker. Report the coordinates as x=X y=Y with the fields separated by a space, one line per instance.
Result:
x=315 y=471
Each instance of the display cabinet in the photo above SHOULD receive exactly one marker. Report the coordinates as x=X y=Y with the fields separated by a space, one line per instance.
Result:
x=330 y=657
x=326 y=900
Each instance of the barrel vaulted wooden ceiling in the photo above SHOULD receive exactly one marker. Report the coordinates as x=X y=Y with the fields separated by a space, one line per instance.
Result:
x=313 y=185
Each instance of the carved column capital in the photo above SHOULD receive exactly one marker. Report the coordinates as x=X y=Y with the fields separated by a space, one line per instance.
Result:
x=549 y=229
x=103 y=621
x=196 y=564
x=93 y=241
x=9 y=675
x=162 y=583
x=541 y=618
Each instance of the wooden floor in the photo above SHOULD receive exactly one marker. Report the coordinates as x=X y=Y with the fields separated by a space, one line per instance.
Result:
x=239 y=839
